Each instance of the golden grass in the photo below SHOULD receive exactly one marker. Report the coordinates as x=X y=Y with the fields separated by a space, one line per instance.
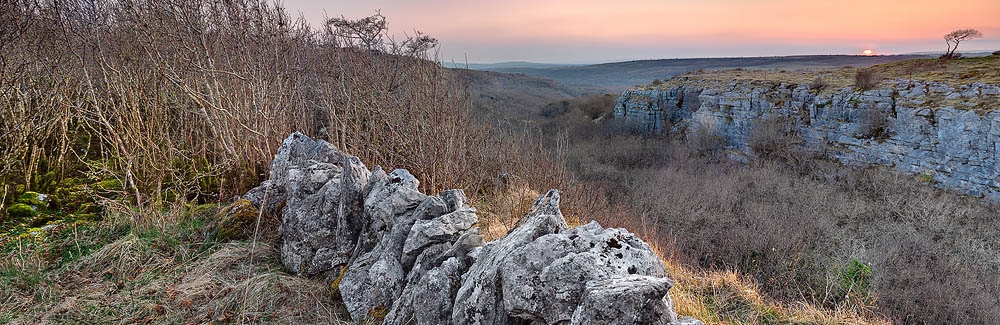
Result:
x=728 y=297
x=953 y=72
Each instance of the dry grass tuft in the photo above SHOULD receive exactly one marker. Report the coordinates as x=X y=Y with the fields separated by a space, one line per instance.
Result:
x=162 y=275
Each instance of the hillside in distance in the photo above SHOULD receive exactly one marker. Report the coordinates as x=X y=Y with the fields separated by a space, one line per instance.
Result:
x=504 y=65
x=514 y=97
x=618 y=76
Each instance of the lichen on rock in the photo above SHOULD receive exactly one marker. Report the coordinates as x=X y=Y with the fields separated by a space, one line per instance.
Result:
x=409 y=258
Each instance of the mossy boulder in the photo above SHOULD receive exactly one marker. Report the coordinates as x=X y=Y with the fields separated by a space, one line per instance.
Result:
x=236 y=221
x=88 y=217
x=74 y=194
x=21 y=211
x=33 y=199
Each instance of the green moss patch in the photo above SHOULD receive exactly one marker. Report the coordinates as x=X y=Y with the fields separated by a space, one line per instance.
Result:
x=33 y=199
x=236 y=221
x=19 y=211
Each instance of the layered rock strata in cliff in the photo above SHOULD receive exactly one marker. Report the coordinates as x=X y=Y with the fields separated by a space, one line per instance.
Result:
x=949 y=134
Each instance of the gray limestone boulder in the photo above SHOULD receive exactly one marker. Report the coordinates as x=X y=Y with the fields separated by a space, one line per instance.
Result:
x=421 y=252
x=376 y=275
x=557 y=267
x=419 y=259
x=434 y=281
x=296 y=151
x=480 y=299
x=539 y=273
x=309 y=184
x=629 y=299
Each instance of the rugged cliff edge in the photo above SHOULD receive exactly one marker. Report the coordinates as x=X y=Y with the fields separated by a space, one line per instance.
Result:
x=410 y=258
x=947 y=133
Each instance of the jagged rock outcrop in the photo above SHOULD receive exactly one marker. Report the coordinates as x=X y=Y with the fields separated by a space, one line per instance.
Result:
x=310 y=186
x=949 y=134
x=418 y=259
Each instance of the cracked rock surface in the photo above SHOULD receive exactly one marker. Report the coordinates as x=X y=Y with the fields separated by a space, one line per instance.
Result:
x=420 y=259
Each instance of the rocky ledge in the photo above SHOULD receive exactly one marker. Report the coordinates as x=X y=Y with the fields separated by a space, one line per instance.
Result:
x=396 y=254
x=949 y=135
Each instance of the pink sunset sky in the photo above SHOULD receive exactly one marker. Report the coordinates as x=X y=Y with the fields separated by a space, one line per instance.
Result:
x=591 y=31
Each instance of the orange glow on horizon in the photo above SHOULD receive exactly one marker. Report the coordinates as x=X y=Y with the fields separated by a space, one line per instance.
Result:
x=772 y=21
x=868 y=52
x=598 y=30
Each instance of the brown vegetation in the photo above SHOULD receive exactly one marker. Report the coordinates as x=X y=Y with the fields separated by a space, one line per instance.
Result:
x=188 y=102
x=866 y=79
x=804 y=229
x=955 y=73
x=169 y=105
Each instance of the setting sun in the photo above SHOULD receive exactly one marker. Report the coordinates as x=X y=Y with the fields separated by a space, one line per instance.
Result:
x=868 y=52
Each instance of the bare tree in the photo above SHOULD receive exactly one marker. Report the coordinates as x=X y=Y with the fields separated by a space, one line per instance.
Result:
x=958 y=36
x=419 y=45
x=367 y=33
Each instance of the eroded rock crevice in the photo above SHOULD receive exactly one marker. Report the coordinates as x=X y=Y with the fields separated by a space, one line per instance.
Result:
x=412 y=258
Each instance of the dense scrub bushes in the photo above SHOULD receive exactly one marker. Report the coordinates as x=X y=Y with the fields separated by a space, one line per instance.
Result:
x=187 y=102
x=866 y=240
x=799 y=234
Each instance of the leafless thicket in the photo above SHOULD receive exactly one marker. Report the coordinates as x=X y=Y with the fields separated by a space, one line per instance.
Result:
x=807 y=229
x=188 y=100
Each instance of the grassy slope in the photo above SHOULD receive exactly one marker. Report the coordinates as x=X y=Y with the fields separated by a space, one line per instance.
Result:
x=955 y=73
x=112 y=272
x=109 y=271
x=621 y=75
x=515 y=97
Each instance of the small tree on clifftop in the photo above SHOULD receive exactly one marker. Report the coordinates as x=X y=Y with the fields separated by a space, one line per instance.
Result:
x=957 y=37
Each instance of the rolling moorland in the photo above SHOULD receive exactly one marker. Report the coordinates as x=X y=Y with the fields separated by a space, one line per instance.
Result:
x=128 y=175
x=793 y=216
x=619 y=76
x=919 y=138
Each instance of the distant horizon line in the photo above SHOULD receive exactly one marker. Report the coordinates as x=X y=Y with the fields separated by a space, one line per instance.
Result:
x=921 y=53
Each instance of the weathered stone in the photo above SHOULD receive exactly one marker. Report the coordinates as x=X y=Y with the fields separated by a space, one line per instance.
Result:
x=350 y=209
x=376 y=276
x=306 y=185
x=538 y=272
x=296 y=151
x=480 y=299
x=309 y=219
x=555 y=268
x=916 y=133
x=626 y=300
x=418 y=259
x=433 y=282
x=443 y=229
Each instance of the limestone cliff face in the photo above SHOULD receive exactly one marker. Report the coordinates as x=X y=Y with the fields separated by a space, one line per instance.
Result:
x=951 y=134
